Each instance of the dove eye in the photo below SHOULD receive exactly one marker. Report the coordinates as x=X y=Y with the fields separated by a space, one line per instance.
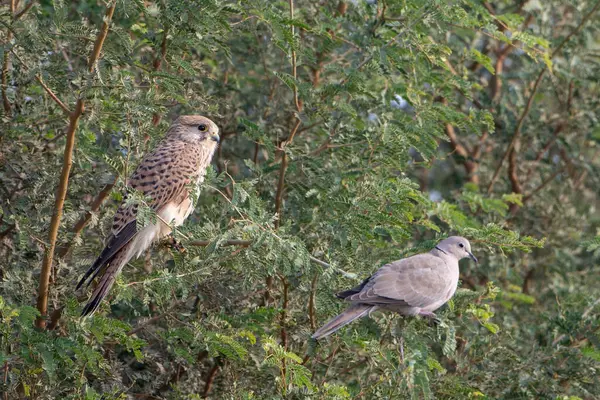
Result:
x=202 y=128
x=461 y=245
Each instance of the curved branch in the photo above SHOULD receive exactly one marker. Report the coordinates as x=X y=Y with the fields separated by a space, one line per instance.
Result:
x=61 y=193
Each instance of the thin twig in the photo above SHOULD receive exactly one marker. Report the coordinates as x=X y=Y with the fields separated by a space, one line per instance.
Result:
x=583 y=316
x=24 y=10
x=540 y=154
x=517 y=132
x=38 y=78
x=542 y=185
x=62 y=105
x=84 y=220
x=525 y=113
x=5 y=379
x=152 y=320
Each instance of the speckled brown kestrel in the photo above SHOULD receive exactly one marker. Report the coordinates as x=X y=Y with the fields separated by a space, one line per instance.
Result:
x=164 y=176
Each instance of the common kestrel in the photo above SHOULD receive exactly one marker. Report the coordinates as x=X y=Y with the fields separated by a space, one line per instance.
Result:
x=416 y=285
x=164 y=176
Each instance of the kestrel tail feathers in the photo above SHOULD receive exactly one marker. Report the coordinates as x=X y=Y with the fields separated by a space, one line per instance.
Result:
x=163 y=176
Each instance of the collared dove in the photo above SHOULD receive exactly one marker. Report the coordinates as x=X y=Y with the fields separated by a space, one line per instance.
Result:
x=416 y=285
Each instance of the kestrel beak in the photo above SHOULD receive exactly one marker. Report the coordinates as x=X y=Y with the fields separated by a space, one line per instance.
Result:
x=215 y=137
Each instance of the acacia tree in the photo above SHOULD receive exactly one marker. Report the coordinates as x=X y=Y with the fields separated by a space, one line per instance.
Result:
x=353 y=133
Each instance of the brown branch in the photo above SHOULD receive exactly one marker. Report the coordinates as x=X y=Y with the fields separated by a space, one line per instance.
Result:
x=536 y=84
x=163 y=51
x=55 y=318
x=514 y=178
x=52 y=95
x=569 y=166
x=527 y=280
x=152 y=320
x=6 y=62
x=462 y=151
x=5 y=379
x=311 y=303
x=101 y=36
x=24 y=10
x=284 y=160
x=83 y=221
x=233 y=242
x=542 y=185
x=38 y=78
x=158 y=61
x=210 y=379
x=517 y=132
x=540 y=154
x=282 y=322
x=283 y=314
x=61 y=193
x=584 y=174
x=496 y=80
x=4 y=80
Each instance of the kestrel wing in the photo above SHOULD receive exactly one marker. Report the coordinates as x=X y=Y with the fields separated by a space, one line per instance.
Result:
x=417 y=281
x=162 y=176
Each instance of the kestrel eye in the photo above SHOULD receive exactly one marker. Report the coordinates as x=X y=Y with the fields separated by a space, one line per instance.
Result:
x=461 y=245
x=202 y=128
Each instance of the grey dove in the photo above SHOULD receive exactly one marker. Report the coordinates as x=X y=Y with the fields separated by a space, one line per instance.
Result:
x=417 y=285
x=164 y=176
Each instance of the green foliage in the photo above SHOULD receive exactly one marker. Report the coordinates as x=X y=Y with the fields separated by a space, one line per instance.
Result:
x=407 y=109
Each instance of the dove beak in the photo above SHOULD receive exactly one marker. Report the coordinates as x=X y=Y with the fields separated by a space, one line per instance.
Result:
x=472 y=256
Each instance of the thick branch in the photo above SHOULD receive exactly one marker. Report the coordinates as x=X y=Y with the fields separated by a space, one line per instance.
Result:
x=101 y=36
x=61 y=193
x=212 y=374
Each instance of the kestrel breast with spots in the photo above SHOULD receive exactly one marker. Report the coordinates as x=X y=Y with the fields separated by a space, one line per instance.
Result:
x=164 y=177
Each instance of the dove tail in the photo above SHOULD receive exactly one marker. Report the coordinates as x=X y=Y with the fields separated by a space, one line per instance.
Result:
x=109 y=275
x=353 y=312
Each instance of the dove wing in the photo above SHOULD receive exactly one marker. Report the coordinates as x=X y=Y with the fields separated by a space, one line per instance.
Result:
x=417 y=281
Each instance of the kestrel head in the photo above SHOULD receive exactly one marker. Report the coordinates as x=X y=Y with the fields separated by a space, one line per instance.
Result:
x=195 y=129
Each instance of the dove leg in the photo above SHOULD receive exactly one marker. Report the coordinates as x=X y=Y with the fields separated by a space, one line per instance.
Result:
x=433 y=319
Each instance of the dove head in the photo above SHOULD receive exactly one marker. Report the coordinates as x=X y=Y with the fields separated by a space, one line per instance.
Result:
x=458 y=246
x=195 y=129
